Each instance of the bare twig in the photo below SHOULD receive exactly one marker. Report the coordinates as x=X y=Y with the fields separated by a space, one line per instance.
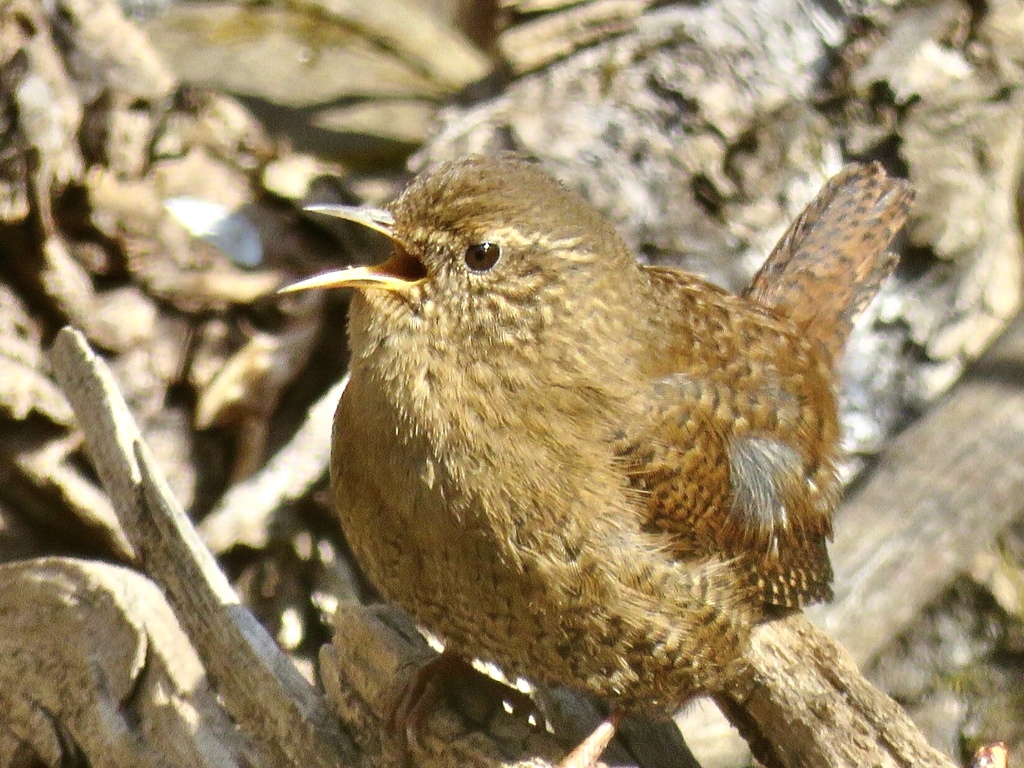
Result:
x=261 y=687
x=903 y=537
x=801 y=701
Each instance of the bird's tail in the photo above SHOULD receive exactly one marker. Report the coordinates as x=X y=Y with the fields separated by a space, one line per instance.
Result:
x=833 y=258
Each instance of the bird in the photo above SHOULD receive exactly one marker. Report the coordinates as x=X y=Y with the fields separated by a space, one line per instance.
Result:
x=593 y=472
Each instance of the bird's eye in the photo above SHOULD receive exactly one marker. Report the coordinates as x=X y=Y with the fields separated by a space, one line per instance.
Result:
x=482 y=256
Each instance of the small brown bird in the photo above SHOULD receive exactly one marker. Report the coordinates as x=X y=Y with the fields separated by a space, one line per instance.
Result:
x=595 y=473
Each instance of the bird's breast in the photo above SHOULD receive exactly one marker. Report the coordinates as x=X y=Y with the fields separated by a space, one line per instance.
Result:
x=518 y=539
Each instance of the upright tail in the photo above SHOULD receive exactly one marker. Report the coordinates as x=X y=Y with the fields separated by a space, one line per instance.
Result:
x=833 y=258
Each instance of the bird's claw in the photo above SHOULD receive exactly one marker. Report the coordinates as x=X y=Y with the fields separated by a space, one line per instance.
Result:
x=413 y=700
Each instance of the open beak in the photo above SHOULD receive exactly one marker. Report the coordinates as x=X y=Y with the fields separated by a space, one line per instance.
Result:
x=400 y=272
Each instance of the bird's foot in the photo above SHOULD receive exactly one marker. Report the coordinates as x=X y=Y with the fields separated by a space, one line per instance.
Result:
x=589 y=751
x=451 y=676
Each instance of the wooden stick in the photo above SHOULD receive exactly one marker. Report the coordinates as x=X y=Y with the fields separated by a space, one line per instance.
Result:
x=261 y=687
x=800 y=702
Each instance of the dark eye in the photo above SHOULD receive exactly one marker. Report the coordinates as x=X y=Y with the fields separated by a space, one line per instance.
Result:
x=482 y=256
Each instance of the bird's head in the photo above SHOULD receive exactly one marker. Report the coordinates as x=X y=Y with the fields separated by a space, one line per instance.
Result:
x=489 y=254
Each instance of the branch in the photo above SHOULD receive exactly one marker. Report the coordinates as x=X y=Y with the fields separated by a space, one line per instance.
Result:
x=261 y=688
x=800 y=700
x=801 y=703
x=941 y=494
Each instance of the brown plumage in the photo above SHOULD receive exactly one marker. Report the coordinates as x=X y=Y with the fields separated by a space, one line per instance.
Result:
x=758 y=424
x=594 y=473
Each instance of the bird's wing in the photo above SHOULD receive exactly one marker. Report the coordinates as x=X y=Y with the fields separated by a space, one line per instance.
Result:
x=735 y=453
x=737 y=459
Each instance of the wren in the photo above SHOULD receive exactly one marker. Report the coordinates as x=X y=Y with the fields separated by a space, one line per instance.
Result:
x=595 y=473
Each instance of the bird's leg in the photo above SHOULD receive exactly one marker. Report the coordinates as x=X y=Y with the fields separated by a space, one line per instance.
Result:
x=410 y=702
x=589 y=751
x=413 y=701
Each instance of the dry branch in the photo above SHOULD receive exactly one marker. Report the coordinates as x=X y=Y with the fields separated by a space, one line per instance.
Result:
x=261 y=687
x=941 y=495
x=958 y=470
x=801 y=703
